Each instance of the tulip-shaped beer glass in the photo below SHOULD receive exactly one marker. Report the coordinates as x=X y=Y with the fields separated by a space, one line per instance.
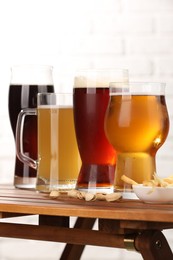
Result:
x=136 y=124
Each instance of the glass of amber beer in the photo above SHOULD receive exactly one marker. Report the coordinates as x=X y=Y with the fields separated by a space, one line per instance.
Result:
x=90 y=99
x=58 y=160
x=136 y=124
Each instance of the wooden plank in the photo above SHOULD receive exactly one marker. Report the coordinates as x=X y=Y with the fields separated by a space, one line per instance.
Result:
x=126 y=226
x=116 y=210
x=30 y=202
x=11 y=215
x=61 y=234
x=53 y=221
x=117 y=220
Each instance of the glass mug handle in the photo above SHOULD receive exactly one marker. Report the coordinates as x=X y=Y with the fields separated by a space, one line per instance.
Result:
x=19 y=137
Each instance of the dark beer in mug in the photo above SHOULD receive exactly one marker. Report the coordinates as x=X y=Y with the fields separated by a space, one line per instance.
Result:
x=23 y=96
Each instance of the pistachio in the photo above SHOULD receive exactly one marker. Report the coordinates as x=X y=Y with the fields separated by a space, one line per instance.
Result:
x=90 y=196
x=87 y=196
x=81 y=195
x=72 y=193
x=54 y=194
x=100 y=196
x=113 y=196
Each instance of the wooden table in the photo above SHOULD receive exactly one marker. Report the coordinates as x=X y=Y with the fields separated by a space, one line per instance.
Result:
x=128 y=224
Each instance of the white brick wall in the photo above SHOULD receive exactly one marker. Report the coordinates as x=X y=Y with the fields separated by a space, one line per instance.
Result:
x=133 y=34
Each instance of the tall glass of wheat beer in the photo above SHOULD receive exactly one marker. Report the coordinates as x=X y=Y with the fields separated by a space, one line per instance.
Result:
x=90 y=99
x=58 y=159
x=136 y=124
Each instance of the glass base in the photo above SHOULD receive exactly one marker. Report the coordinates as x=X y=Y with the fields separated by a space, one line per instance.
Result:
x=25 y=182
x=96 y=178
x=105 y=190
x=126 y=193
x=129 y=195
x=46 y=186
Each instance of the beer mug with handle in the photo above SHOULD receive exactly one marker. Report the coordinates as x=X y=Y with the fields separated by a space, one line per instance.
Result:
x=26 y=82
x=58 y=159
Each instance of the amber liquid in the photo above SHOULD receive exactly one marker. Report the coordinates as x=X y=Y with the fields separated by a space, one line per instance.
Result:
x=97 y=154
x=25 y=96
x=59 y=160
x=136 y=126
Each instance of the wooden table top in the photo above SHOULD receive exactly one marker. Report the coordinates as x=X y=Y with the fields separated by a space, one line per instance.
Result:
x=31 y=202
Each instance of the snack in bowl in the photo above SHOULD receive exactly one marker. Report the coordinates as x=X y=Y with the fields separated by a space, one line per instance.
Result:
x=156 y=195
x=157 y=190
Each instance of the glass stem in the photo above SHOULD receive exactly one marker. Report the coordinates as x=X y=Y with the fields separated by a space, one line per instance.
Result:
x=137 y=166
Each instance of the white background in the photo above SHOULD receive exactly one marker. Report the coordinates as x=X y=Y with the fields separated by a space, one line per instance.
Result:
x=71 y=34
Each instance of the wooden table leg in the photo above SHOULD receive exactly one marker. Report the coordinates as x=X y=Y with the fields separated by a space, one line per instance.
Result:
x=54 y=221
x=75 y=251
x=153 y=245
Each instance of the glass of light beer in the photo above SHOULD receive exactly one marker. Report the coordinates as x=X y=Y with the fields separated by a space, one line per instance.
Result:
x=58 y=160
x=90 y=99
x=26 y=81
x=136 y=124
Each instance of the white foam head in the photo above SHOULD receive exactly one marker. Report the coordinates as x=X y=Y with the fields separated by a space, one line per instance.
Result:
x=99 y=78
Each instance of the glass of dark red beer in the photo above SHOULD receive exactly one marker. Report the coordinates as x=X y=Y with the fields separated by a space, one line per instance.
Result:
x=90 y=98
x=26 y=82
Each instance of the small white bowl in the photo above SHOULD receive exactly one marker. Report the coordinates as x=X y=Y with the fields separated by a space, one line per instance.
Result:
x=154 y=195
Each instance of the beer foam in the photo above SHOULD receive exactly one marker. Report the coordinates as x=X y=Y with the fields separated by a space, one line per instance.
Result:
x=102 y=82
x=83 y=82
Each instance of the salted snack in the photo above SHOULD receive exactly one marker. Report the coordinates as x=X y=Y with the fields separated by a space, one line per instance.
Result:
x=128 y=180
x=113 y=196
x=90 y=197
x=73 y=193
x=155 y=182
x=157 y=190
x=169 y=179
x=87 y=196
x=81 y=195
x=54 y=194
x=100 y=196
